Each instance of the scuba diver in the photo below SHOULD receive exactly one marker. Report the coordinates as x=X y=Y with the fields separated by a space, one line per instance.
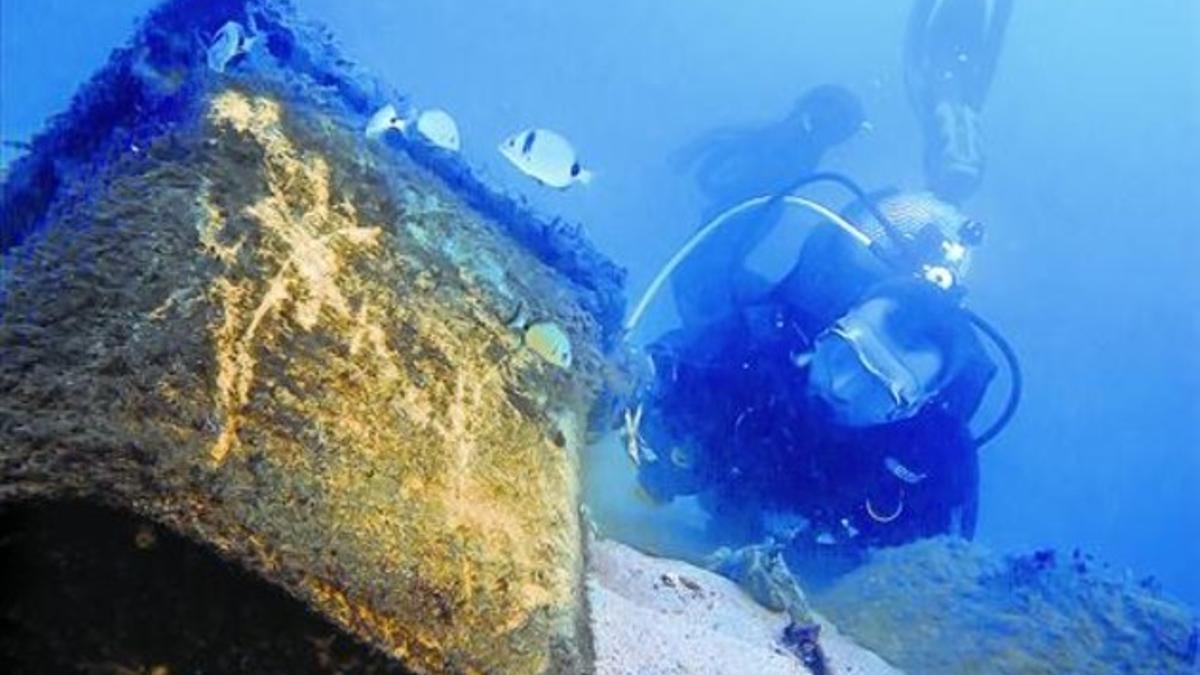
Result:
x=828 y=413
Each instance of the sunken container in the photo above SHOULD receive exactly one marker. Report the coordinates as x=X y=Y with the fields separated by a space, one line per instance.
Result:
x=223 y=308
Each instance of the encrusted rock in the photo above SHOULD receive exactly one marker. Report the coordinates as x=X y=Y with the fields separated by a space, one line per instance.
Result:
x=947 y=606
x=224 y=309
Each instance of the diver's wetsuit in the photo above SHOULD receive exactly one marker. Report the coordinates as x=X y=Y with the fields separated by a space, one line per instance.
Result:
x=729 y=420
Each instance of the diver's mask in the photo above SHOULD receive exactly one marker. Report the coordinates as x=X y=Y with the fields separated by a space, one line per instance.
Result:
x=864 y=376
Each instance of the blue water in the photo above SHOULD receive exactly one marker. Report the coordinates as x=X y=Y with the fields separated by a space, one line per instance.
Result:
x=1093 y=138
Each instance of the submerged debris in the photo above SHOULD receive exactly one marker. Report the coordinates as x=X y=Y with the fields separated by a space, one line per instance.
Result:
x=237 y=334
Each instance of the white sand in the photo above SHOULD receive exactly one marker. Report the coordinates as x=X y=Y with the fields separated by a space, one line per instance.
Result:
x=653 y=616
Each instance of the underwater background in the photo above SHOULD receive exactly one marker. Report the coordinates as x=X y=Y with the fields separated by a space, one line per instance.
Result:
x=1093 y=142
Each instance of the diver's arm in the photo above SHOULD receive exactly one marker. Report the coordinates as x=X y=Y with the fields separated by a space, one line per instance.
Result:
x=696 y=151
x=951 y=51
x=712 y=282
x=727 y=166
x=718 y=158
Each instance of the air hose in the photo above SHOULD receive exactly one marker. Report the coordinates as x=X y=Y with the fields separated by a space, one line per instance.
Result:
x=713 y=225
x=886 y=223
x=855 y=233
x=1014 y=373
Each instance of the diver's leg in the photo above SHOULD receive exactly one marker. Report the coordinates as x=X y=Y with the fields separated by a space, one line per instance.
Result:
x=951 y=155
x=950 y=57
x=962 y=46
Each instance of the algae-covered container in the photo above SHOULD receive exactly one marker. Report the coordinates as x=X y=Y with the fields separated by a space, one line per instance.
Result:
x=223 y=308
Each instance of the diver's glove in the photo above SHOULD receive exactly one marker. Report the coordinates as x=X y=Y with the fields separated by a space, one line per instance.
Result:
x=802 y=640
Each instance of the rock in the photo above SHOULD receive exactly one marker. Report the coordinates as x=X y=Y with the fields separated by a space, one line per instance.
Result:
x=217 y=311
x=93 y=601
x=654 y=616
x=946 y=606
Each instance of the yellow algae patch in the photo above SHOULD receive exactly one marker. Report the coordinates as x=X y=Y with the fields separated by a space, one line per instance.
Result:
x=446 y=504
x=466 y=475
x=368 y=334
x=295 y=378
x=306 y=238
x=258 y=115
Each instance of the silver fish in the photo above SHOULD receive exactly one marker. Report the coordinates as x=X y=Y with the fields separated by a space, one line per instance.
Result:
x=439 y=128
x=384 y=119
x=546 y=157
x=229 y=42
x=435 y=126
x=549 y=341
